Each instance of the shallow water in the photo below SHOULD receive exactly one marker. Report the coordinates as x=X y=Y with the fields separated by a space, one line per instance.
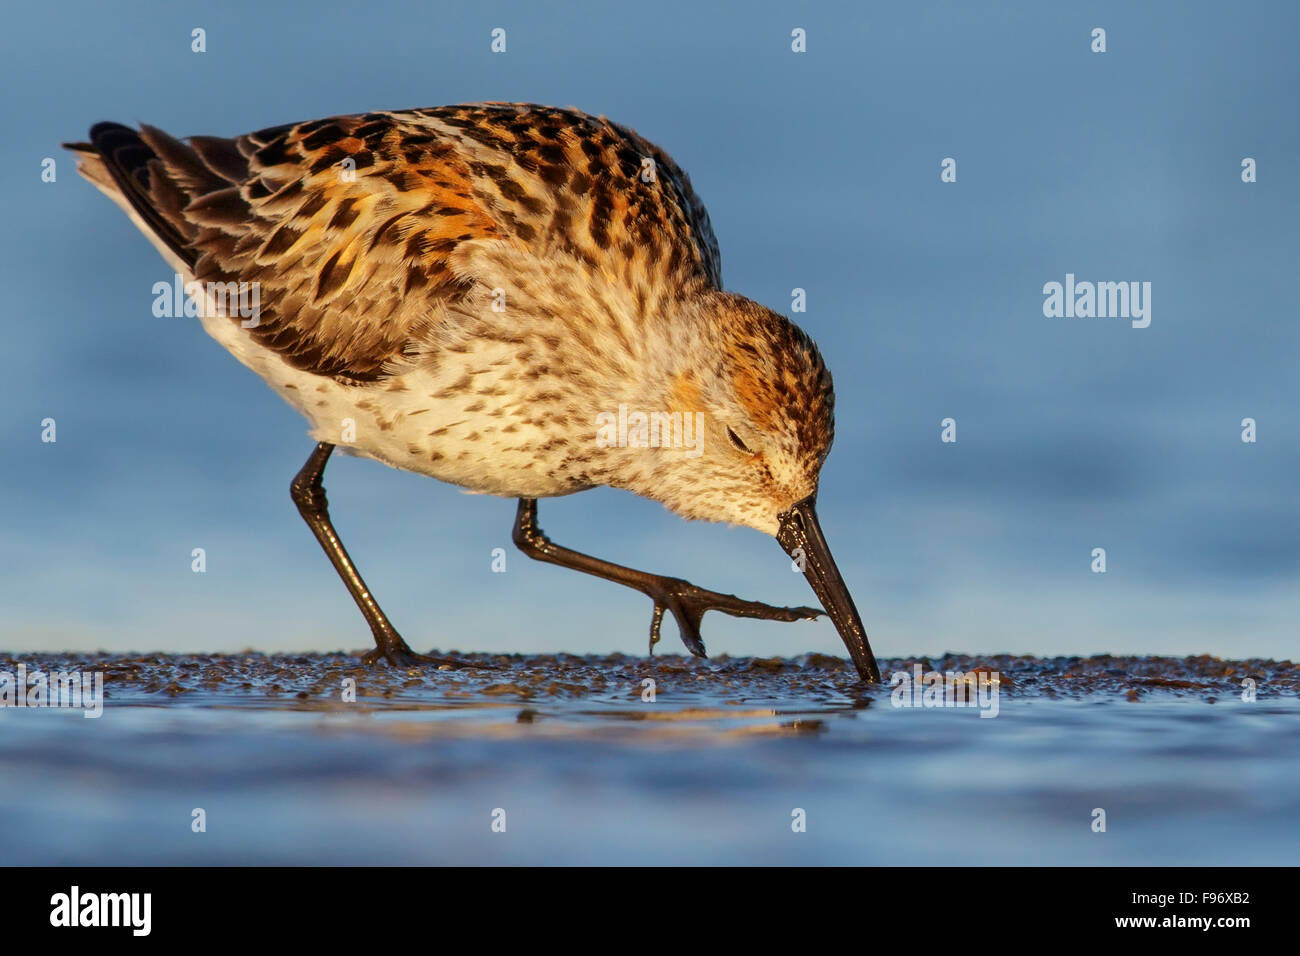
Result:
x=710 y=771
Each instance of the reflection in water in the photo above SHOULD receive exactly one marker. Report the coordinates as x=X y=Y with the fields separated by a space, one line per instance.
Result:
x=289 y=768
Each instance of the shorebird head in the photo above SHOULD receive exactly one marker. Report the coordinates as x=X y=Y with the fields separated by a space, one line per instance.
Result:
x=763 y=405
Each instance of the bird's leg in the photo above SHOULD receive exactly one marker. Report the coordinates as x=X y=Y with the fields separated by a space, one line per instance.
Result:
x=309 y=495
x=687 y=602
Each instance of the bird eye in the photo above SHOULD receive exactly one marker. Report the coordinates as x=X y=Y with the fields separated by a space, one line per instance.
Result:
x=736 y=443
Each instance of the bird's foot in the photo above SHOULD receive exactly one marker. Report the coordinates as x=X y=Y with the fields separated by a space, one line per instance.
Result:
x=688 y=604
x=392 y=650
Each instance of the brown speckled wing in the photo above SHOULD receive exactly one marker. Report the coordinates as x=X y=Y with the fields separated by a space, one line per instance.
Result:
x=347 y=223
x=562 y=180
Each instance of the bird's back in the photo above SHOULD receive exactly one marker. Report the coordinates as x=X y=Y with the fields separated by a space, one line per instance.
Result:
x=357 y=230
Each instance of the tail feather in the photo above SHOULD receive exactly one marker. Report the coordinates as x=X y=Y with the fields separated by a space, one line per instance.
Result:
x=180 y=163
x=160 y=176
x=221 y=156
x=141 y=178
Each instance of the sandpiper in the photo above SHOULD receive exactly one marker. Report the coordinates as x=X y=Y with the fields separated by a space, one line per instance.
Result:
x=520 y=300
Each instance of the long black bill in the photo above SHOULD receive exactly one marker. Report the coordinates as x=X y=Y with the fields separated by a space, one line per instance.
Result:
x=802 y=538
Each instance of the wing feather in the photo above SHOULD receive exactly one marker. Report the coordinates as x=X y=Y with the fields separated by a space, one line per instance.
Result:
x=348 y=224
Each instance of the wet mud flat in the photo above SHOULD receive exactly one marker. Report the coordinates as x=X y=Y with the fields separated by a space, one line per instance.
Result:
x=315 y=759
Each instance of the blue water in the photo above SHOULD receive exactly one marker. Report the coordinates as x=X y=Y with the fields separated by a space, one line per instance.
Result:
x=711 y=772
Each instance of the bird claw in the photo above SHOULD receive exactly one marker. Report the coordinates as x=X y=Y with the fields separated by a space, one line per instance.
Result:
x=396 y=653
x=655 y=621
x=689 y=604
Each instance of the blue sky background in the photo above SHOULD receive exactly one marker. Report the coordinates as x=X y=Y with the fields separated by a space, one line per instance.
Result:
x=820 y=171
